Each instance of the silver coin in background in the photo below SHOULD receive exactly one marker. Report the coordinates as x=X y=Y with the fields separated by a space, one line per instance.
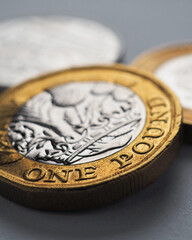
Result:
x=177 y=74
x=36 y=45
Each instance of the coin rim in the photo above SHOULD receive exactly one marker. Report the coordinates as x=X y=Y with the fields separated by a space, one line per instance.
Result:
x=152 y=59
x=124 y=69
x=92 y=194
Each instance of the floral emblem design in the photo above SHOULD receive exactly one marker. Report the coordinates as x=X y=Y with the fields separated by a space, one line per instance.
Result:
x=77 y=122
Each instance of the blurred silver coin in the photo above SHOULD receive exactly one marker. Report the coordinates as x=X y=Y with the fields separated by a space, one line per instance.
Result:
x=36 y=45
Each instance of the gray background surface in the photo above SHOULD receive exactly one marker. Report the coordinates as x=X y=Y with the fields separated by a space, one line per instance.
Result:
x=164 y=209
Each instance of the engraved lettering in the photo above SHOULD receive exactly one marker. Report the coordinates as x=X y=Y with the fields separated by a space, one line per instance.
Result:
x=51 y=176
x=156 y=102
x=86 y=173
x=123 y=160
x=34 y=174
x=62 y=176
x=143 y=147
x=158 y=117
x=153 y=132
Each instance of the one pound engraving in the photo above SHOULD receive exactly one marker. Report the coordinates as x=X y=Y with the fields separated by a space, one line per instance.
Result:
x=158 y=119
x=123 y=160
x=61 y=176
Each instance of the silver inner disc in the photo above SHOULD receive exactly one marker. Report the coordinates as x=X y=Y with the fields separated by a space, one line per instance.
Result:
x=177 y=74
x=36 y=45
x=77 y=123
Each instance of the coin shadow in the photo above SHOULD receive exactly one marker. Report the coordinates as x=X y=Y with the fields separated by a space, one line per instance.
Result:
x=138 y=212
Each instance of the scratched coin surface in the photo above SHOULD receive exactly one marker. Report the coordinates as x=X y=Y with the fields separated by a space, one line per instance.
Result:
x=173 y=65
x=83 y=137
x=36 y=45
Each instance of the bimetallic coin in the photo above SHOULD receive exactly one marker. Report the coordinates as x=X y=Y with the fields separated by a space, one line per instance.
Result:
x=173 y=65
x=86 y=136
x=37 y=45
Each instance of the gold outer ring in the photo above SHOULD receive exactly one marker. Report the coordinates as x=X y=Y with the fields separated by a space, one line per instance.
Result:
x=46 y=186
x=151 y=60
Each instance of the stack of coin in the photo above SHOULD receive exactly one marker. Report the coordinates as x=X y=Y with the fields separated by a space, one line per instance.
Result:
x=79 y=137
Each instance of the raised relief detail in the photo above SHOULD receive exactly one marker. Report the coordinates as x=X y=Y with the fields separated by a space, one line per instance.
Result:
x=77 y=122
